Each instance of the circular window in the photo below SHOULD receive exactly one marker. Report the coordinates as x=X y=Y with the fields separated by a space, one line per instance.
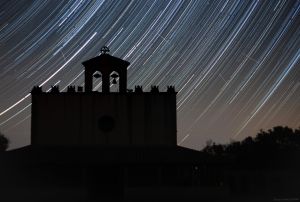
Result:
x=106 y=123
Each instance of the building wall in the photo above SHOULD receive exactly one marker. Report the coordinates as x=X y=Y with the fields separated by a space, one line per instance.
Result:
x=73 y=119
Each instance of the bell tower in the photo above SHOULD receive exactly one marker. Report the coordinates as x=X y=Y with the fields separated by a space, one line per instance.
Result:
x=108 y=68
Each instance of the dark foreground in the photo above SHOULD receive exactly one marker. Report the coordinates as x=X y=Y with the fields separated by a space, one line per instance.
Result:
x=141 y=174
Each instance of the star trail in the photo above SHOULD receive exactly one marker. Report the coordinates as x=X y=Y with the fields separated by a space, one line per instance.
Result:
x=235 y=64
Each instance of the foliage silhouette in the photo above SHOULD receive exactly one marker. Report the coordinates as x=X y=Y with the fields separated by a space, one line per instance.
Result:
x=3 y=142
x=277 y=147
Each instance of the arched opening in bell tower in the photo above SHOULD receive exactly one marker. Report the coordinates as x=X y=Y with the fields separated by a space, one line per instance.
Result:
x=114 y=81
x=97 y=81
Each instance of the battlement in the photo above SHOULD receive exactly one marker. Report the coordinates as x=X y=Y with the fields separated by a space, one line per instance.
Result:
x=72 y=89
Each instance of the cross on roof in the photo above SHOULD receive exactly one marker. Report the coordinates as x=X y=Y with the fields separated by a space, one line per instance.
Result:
x=104 y=50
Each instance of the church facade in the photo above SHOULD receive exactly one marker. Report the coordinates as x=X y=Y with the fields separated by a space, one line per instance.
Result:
x=92 y=118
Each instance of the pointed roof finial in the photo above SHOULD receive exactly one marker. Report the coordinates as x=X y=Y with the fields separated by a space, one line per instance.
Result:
x=104 y=50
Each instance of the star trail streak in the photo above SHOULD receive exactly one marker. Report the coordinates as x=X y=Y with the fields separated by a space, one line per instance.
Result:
x=235 y=64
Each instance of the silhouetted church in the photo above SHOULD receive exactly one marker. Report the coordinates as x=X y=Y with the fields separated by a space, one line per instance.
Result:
x=91 y=118
x=119 y=144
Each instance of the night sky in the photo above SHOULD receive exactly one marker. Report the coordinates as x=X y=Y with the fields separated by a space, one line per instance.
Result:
x=235 y=64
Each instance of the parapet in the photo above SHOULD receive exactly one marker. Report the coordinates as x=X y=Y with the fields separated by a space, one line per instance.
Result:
x=36 y=89
x=72 y=89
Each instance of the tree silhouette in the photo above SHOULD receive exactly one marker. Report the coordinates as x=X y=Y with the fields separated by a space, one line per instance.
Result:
x=277 y=139
x=275 y=147
x=3 y=143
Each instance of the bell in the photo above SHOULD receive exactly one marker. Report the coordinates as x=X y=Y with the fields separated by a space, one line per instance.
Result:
x=97 y=75
x=114 y=75
x=114 y=81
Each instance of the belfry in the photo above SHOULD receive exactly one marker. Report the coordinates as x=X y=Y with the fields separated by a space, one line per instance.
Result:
x=91 y=118
x=106 y=66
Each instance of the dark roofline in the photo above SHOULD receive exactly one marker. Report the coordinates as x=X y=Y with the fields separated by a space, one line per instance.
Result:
x=95 y=61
